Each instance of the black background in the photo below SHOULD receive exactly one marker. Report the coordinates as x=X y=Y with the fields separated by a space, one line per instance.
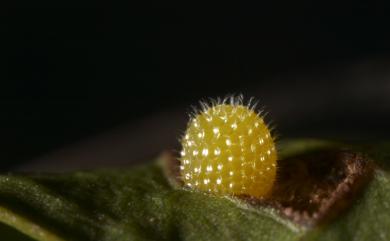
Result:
x=74 y=72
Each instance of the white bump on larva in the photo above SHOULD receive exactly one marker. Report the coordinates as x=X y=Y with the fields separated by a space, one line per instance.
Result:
x=250 y=132
x=189 y=143
x=216 y=130
x=219 y=181
x=241 y=140
x=181 y=167
x=269 y=152
x=273 y=164
x=231 y=173
x=186 y=137
x=200 y=135
x=189 y=184
x=253 y=148
x=209 y=118
x=253 y=164
x=205 y=152
x=261 y=141
x=206 y=181
x=266 y=136
x=228 y=142
x=195 y=152
x=230 y=158
x=256 y=124
x=268 y=168
x=186 y=161
x=231 y=185
x=196 y=183
x=217 y=151
x=234 y=126
x=187 y=176
x=196 y=170
x=262 y=158
x=219 y=166
x=209 y=168
x=182 y=153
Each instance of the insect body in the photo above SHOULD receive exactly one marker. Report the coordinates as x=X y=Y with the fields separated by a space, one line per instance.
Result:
x=228 y=149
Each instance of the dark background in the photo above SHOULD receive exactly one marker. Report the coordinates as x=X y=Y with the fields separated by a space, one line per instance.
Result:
x=108 y=85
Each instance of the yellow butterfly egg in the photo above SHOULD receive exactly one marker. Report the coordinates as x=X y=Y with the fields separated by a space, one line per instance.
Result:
x=228 y=149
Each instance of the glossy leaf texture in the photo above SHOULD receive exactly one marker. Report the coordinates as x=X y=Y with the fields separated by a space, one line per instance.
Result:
x=140 y=204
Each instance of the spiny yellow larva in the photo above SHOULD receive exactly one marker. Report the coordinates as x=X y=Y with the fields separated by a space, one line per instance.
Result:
x=228 y=149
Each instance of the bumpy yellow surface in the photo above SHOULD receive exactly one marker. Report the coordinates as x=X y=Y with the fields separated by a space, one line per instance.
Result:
x=228 y=149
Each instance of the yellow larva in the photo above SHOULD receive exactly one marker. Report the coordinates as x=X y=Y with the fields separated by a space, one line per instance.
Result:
x=228 y=149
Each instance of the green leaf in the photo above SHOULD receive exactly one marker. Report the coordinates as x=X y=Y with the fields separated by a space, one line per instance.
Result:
x=140 y=204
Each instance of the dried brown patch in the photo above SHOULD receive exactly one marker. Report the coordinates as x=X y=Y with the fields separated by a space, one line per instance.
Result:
x=171 y=168
x=316 y=187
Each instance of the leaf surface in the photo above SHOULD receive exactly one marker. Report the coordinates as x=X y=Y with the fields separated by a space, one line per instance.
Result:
x=140 y=204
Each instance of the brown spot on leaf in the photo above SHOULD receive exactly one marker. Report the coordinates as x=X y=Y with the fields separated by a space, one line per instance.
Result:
x=316 y=187
x=171 y=168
